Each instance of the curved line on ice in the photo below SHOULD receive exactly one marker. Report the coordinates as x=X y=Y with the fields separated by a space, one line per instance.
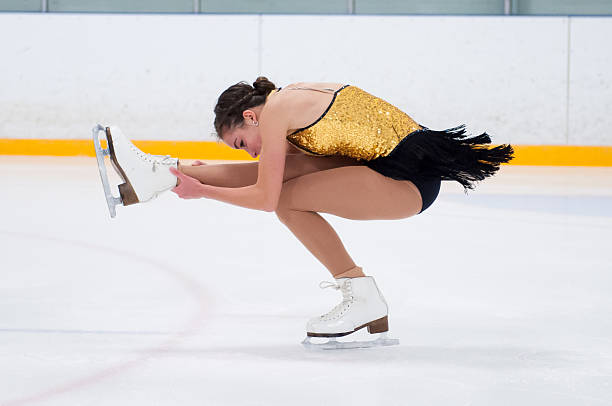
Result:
x=192 y=326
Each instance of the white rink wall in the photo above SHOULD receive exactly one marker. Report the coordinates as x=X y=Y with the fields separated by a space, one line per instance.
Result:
x=524 y=80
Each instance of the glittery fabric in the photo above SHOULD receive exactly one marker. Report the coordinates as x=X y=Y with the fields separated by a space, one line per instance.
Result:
x=356 y=124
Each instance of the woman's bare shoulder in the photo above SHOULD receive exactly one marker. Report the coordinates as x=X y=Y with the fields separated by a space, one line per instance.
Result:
x=299 y=100
x=299 y=108
x=315 y=85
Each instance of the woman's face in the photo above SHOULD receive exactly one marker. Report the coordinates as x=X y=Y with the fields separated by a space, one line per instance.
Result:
x=246 y=137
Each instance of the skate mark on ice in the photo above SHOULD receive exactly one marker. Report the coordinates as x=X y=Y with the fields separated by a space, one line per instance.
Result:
x=190 y=328
x=65 y=331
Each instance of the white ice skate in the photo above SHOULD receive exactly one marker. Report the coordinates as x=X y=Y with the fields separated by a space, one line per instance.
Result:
x=363 y=305
x=144 y=175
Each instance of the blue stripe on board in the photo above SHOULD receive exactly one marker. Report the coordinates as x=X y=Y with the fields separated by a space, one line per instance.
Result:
x=586 y=205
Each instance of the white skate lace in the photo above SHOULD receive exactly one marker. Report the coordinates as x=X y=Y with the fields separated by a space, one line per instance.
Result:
x=347 y=299
x=163 y=160
x=156 y=160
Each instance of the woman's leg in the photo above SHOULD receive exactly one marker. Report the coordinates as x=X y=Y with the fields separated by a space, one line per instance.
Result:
x=353 y=192
x=245 y=174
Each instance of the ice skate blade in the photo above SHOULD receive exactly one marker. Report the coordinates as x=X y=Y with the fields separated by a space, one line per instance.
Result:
x=111 y=200
x=332 y=344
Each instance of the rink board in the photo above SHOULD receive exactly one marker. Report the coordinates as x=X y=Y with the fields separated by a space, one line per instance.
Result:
x=554 y=155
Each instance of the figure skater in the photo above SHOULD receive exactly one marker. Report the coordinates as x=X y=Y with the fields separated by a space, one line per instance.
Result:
x=323 y=148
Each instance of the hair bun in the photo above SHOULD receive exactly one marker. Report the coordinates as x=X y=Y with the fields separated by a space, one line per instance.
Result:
x=263 y=86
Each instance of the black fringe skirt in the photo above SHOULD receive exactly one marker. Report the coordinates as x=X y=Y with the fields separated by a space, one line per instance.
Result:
x=445 y=155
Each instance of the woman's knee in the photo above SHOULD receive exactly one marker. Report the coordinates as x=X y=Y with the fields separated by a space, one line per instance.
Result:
x=285 y=210
x=282 y=211
x=287 y=215
x=283 y=215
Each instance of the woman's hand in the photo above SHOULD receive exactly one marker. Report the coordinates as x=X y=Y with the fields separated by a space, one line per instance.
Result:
x=187 y=187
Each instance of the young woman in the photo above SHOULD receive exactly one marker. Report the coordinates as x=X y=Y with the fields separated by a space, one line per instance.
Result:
x=323 y=148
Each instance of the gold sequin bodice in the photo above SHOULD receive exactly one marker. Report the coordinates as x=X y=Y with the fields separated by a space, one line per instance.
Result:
x=356 y=124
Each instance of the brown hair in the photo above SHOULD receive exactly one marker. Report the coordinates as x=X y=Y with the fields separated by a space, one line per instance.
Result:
x=236 y=99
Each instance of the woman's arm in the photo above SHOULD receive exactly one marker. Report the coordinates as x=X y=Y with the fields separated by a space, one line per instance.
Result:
x=265 y=193
x=223 y=174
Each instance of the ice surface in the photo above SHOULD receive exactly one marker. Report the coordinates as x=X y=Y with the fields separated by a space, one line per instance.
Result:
x=500 y=297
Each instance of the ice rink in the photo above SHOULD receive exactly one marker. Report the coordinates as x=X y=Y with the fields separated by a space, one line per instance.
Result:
x=499 y=297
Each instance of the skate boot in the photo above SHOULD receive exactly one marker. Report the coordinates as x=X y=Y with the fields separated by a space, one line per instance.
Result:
x=144 y=175
x=363 y=305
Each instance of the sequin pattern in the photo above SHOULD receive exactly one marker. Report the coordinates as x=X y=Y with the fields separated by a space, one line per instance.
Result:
x=356 y=124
